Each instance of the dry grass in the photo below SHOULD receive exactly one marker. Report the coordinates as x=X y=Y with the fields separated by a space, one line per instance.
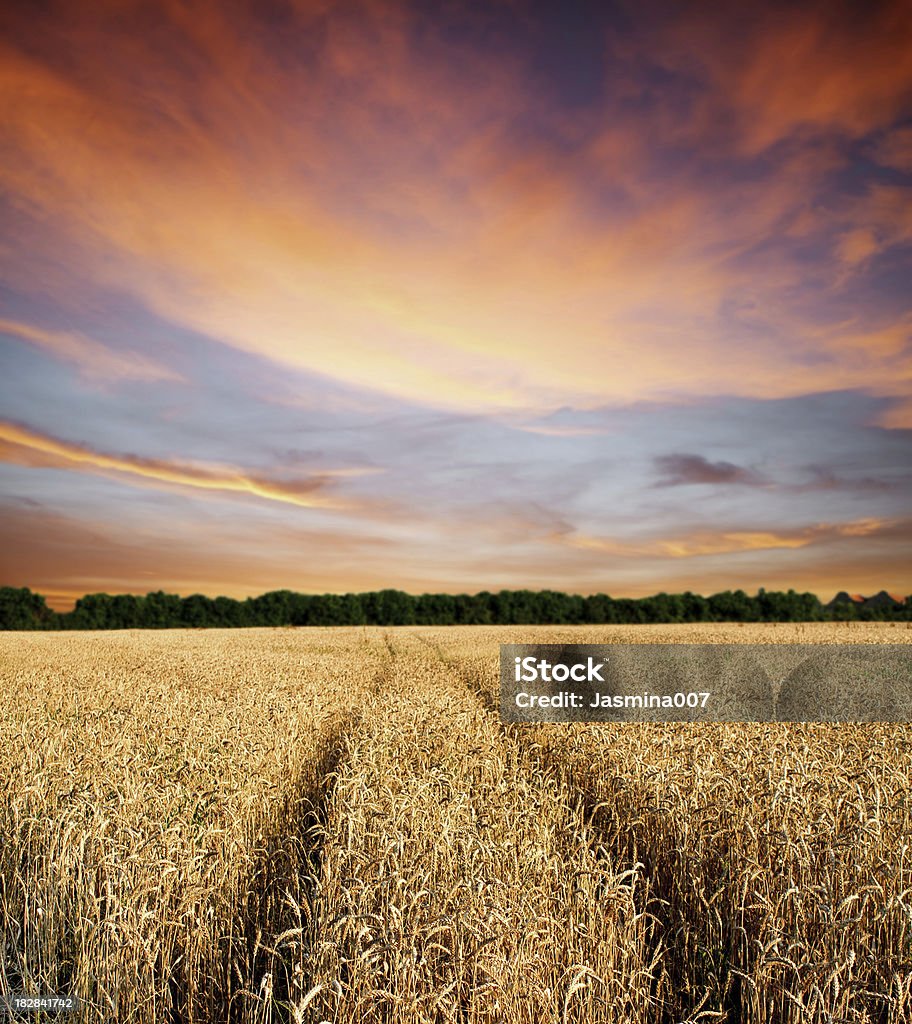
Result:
x=332 y=825
x=460 y=882
x=777 y=858
x=157 y=793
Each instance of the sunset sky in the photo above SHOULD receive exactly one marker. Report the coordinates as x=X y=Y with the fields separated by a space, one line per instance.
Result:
x=455 y=296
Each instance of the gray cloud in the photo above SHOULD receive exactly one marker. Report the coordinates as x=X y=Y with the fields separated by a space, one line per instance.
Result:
x=679 y=469
x=823 y=478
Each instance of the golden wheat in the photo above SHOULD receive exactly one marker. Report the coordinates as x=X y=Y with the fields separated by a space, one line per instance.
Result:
x=776 y=856
x=157 y=790
x=460 y=882
x=333 y=825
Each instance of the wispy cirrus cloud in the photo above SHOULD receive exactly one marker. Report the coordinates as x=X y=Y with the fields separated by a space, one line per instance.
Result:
x=22 y=445
x=93 y=358
x=448 y=273
x=702 y=542
x=779 y=72
x=822 y=478
x=537 y=275
x=64 y=555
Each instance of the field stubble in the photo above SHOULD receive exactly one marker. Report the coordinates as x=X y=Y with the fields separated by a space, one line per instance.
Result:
x=309 y=825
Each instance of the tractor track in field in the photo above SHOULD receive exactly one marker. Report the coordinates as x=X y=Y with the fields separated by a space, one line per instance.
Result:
x=282 y=922
x=450 y=860
x=667 y=917
x=296 y=827
x=707 y=942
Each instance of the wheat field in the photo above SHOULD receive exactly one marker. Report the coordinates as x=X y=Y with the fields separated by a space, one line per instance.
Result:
x=308 y=825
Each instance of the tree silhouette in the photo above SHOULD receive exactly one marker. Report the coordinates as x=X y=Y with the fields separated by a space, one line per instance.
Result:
x=22 y=609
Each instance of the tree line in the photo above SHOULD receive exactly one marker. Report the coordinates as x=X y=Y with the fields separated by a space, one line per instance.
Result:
x=22 y=609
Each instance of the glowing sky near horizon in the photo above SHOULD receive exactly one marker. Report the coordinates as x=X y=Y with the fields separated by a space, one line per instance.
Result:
x=455 y=296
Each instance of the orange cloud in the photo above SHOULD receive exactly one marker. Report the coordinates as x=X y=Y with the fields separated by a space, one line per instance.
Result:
x=367 y=213
x=781 y=71
x=723 y=542
x=27 y=447
x=63 y=557
x=857 y=245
